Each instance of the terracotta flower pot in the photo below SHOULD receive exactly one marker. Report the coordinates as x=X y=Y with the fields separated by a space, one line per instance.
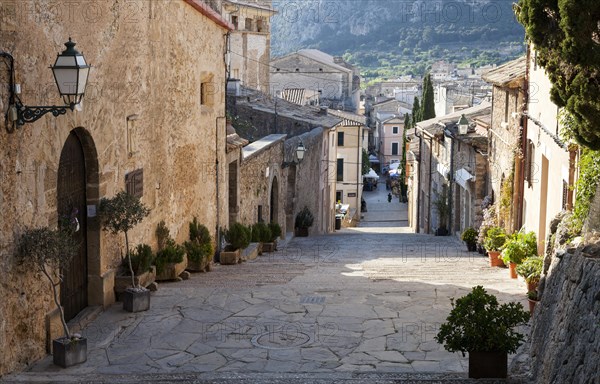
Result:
x=512 y=267
x=532 y=285
x=532 y=304
x=495 y=260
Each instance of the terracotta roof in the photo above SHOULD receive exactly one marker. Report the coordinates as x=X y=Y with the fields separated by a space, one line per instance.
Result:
x=350 y=119
x=508 y=74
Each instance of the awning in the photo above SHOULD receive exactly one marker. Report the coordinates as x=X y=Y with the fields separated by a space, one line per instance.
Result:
x=373 y=159
x=371 y=175
x=462 y=176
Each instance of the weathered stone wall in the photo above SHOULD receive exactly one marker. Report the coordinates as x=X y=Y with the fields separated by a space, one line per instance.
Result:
x=258 y=175
x=565 y=338
x=149 y=59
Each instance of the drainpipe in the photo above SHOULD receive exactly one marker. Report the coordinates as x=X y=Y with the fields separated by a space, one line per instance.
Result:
x=419 y=182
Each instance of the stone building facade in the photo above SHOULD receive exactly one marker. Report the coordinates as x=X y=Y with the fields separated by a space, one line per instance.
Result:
x=154 y=102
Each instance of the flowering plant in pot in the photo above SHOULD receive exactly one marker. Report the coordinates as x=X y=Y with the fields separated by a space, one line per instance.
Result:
x=50 y=252
x=495 y=238
x=122 y=213
x=469 y=236
x=479 y=325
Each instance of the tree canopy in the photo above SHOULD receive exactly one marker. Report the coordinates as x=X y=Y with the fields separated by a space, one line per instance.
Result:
x=428 y=105
x=566 y=36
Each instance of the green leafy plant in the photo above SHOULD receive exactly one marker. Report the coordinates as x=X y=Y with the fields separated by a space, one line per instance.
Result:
x=168 y=250
x=142 y=259
x=519 y=247
x=120 y=214
x=261 y=233
x=494 y=239
x=199 y=246
x=469 y=236
x=50 y=252
x=304 y=218
x=533 y=295
x=478 y=323
x=238 y=236
x=531 y=269
x=275 y=231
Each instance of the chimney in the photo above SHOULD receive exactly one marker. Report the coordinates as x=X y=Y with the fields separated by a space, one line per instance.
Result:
x=338 y=60
x=323 y=110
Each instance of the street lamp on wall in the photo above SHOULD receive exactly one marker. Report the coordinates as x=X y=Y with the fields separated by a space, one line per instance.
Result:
x=70 y=74
x=300 y=152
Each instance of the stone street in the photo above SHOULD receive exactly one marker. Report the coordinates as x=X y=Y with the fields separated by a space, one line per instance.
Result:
x=359 y=305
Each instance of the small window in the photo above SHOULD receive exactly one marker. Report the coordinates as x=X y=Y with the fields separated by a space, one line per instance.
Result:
x=529 y=162
x=260 y=214
x=340 y=139
x=234 y=21
x=340 y=169
x=394 y=149
x=506 y=102
x=248 y=25
x=259 y=26
x=395 y=130
x=134 y=183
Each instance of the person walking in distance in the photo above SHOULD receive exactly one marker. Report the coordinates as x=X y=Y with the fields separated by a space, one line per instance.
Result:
x=389 y=197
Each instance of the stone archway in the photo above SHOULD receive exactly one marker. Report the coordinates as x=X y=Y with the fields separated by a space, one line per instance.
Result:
x=78 y=187
x=274 y=204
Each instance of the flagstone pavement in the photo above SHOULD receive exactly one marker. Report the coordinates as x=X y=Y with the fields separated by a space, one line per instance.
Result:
x=360 y=305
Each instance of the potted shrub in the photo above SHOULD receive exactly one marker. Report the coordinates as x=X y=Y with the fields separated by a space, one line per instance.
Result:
x=531 y=271
x=170 y=259
x=469 y=236
x=238 y=237
x=494 y=240
x=304 y=220
x=144 y=271
x=262 y=234
x=479 y=325
x=49 y=251
x=199 y=248
x=533 y=298
x=275 y=229
x=519 y=247
x=120 y=214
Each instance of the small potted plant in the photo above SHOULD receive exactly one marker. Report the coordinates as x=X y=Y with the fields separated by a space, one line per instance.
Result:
x=518 y=247
x=261 y=234
x=50 y=251
x=275 y=229
x=199 y=248
x=171 y=259
x=480 y=326
x=238 y=237
x=120 y=214
x=495 y=238
x=469 y=236
x=531 y=271
x=533 y=298
x=304 y=220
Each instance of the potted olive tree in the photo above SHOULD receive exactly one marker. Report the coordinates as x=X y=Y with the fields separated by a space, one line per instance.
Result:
x=480 y=326
x=50 y=251
x=469 y=236
x=238 y=237
x=199 y=248
x=495 y=238
x=304 y=220
x=120 y=214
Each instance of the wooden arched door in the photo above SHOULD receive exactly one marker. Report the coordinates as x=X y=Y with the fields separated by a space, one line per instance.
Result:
x=71 y=202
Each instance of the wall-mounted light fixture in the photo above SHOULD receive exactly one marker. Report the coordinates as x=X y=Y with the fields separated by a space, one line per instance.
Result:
x=463 y=125
x=300 y=152
x=70 y=73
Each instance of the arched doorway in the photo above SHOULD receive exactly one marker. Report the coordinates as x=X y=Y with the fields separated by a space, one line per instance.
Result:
x=72 y=203
x=274 y=201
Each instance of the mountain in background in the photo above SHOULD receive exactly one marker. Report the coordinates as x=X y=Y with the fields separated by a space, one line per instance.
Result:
x=387 y=38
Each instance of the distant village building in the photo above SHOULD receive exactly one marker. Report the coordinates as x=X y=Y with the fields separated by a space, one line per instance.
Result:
x=336 y=82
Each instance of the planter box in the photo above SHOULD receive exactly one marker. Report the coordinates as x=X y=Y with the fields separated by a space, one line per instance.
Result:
x=230 y=258
x=123 y=282
x=202 y=266
x=269 y=247
x=251 y=252
x=67 y=353
x=302 y=232
x=487 y=365
x=135 y=300
x=172 y=271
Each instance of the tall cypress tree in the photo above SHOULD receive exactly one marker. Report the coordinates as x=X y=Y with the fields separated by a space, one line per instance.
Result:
x=416 y=112
x=428 y=106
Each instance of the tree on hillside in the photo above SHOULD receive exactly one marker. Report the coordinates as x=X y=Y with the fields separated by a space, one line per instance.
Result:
x=566 y=36
x=416 y=111
x=428 y=106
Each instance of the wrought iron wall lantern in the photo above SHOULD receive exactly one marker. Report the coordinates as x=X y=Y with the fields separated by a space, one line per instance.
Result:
x=71 y=75
x=300 y=151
